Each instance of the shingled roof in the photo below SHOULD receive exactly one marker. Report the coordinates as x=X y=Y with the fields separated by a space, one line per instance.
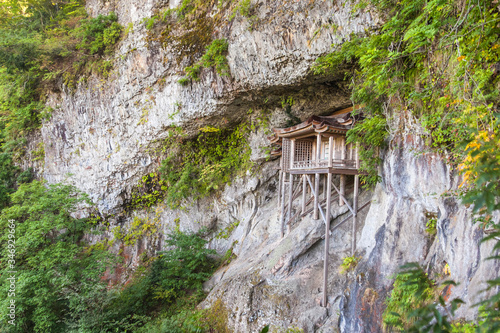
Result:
x=336 y=123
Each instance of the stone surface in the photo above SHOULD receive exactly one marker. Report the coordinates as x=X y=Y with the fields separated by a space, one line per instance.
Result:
x=100 y=138
x=98 y=134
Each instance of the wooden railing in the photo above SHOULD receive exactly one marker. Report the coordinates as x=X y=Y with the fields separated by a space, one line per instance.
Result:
x=315 y=164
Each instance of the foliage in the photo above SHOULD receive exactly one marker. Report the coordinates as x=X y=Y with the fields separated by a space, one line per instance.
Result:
x=490 y=307
x=167 y=289
x=430 y=226
x=412 y=289
x=99 y=34
x=138 y=229
x=215 y=56
x=194 y=168
x=184 y=267
x=149 y=190
x=8 y=172
x=57 y=279
x=435 y=61
x=348 y=264
x=481 y=169
x=41 y=44
x=226 y=232
x=243 y=8
x=213 y=319
x=371 y=133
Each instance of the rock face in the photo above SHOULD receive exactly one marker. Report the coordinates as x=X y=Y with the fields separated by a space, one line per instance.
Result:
x=100 y=135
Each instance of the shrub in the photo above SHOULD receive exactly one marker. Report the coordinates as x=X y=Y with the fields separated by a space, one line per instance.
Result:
x=184 y=267
x=57 y=277
x=99 y=34
x=412 y=289
x=215 y=56
x=194 y=168
x=349 y=263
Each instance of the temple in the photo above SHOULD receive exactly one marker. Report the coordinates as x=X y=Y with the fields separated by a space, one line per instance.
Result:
x=312 y=152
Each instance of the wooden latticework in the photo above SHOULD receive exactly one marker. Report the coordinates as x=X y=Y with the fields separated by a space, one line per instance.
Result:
x=303 y=150
x=285 y=154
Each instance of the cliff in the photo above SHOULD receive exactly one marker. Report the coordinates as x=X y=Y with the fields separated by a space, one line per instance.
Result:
x=103 y=137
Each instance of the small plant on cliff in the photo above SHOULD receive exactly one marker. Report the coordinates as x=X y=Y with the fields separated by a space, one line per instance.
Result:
x=431 y=225
x=349 y=263
x=215 y=56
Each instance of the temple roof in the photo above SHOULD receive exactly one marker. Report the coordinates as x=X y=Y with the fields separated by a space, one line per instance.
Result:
x=334 y=124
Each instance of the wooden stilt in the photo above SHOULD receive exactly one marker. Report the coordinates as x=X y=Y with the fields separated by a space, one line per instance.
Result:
x=279 y=186
x=342 y=190
x=282 y=218
x=304 y=193
x=316 y=197
x=327 y=238
x=324 y=187
x=290 y=201
x=355 y=213
x=316 y=178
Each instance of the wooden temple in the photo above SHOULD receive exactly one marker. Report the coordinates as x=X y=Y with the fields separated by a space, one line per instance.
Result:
x=313 y=152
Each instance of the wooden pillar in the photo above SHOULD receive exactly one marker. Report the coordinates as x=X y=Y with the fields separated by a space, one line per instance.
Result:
x=354 y=215
x=280 y=182
x=304 y=193
x=342 y=190
x=327 y=239
x=342 y=149
x=282 y=221
x=316 y=179
x=324 y=187
x=290 y=201
x=331 y=151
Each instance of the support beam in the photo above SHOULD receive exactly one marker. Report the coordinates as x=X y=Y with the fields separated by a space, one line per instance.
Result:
x=324 y=187
x=279 y=186
x=304 y=193
x=331 y=151
x=282 y=217
x=290 y=201
x=355 y=213
x=342 y=190
x=316 y=199
x=327 y=240
x=316 y=179
x=345 y=200
x=316 y=196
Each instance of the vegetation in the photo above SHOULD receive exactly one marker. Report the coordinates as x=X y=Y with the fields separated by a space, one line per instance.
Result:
x=194 y=168
x=371 y=133
x=215 y=56
x=431 y=225
x=434 y=61
x=348 y=264
x=57 y=279
x=412 y=289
